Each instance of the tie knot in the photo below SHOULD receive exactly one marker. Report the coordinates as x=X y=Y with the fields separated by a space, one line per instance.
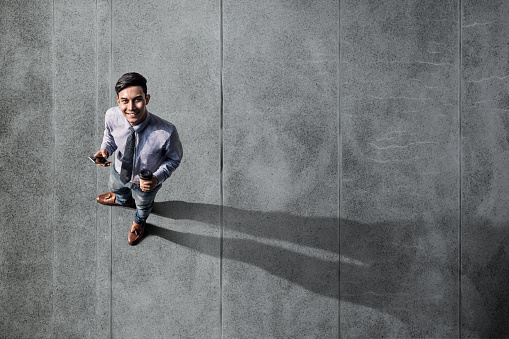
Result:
x=131 y=129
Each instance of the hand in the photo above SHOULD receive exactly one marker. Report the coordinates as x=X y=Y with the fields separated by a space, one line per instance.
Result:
x=104 y=155
x=148 y=185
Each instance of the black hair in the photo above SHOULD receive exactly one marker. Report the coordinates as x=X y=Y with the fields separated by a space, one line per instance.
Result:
x=131 y=79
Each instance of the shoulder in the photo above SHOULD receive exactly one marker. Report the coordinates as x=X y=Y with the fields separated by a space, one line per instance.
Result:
x=160 y=123
x=113 y=114
x=114 y=118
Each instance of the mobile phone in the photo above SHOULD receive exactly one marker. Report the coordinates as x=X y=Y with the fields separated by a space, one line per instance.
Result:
x=99 y=160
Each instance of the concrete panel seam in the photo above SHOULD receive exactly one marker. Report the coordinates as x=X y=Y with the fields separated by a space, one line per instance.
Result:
x=110 y=210
x=111 y=273
x=221 y=182
x=460 y=150
x=95 y=138
x=340 y=156
x=53 y=67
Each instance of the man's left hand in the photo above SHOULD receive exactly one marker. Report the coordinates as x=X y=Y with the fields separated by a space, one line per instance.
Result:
x=147 y=185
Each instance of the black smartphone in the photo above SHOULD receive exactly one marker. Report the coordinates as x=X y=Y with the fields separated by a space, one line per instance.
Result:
x=99 y=160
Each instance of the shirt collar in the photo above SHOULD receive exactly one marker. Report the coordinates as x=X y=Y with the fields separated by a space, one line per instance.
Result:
x=140 y=127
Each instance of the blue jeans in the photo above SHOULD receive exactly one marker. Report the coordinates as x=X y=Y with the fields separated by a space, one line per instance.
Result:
x=124 y=193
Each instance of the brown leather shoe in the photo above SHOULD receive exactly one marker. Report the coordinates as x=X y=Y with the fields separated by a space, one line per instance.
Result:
x=109 y=199
x=135 y=233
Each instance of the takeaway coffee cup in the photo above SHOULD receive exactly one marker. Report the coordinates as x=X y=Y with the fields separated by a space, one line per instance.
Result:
x=145 y=175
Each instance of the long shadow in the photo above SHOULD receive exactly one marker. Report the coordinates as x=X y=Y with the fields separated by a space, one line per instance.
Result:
x=303 y=250
x=316 y=232
x=314 y=274
x=380 y=265
x=485 y=279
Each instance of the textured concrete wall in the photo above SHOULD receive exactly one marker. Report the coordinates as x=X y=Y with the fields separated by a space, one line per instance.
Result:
x=28 y=145
x=280 y=270
x=485 y=160
x=344 y=170
x=400 y=174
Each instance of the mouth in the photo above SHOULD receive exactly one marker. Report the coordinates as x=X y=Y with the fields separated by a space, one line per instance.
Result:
x=131 y=114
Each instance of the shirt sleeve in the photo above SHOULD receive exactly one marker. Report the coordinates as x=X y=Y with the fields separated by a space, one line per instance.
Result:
x=174 y=152
x=108 y=140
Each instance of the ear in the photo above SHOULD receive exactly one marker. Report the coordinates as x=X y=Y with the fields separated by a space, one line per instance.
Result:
x=118 y=101
x=147 y=99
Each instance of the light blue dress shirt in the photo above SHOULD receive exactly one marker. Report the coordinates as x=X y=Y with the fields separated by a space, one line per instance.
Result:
x=157 y=147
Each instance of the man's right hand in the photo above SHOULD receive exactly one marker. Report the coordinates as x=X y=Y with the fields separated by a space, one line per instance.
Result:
x=104 y=155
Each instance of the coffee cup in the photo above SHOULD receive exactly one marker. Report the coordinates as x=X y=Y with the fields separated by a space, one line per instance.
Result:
x=145 y=175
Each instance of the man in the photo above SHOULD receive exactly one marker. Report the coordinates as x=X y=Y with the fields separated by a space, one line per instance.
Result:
x=142 y=141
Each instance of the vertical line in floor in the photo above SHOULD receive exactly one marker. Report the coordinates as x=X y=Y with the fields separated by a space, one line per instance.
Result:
x=96 y=126
x=340 y=156
x=53 y=67
x=110 y=209
x=221 y=216
x=460 y=149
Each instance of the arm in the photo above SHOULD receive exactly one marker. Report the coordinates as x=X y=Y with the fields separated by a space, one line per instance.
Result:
x=173 y=150
x=108 y=144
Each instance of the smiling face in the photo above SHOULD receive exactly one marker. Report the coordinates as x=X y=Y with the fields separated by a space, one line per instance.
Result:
x=133 y=104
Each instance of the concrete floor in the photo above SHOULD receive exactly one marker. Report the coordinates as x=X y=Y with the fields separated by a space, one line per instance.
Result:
x=344 y=171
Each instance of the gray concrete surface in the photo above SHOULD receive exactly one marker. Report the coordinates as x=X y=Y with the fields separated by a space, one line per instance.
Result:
x=280 y=276
x=400 y=174
x=344 y=170
x=28 y=151
x=485 y=155
x=165 y=287
x=74 y=237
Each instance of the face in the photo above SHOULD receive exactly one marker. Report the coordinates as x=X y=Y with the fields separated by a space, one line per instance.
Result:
x=133 y=104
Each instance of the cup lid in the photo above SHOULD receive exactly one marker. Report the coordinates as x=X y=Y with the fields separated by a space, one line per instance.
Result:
x=146 y=174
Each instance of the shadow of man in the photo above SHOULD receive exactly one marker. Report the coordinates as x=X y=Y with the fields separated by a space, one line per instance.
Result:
x=380 y=265
x=298 y=249
x=302 y=250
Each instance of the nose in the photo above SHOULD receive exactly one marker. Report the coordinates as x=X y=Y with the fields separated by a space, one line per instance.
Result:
x=130 y=106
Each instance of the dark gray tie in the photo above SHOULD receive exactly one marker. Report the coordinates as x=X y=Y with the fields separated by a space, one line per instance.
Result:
x=127 y=159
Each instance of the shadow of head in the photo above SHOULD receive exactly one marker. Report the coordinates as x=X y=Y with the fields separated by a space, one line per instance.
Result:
x=485 y=274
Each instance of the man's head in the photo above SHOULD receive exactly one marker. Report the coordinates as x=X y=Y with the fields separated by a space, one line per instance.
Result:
x=132 y=97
